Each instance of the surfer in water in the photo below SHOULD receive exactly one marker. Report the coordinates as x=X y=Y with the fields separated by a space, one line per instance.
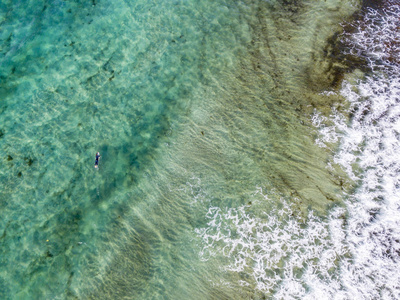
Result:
x=96 y=163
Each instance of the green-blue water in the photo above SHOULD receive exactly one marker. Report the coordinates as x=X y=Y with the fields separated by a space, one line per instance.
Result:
x=192 y=105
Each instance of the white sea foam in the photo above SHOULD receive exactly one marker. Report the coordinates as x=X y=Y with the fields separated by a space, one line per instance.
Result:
x=376 y=37
x=370 y=152
x=355 y=252
x=282 y=253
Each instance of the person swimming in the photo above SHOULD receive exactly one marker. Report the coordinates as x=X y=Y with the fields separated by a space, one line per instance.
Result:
x=96 y=163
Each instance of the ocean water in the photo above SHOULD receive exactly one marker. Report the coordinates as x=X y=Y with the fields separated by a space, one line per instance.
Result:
x=369 y=152
x=236 y=163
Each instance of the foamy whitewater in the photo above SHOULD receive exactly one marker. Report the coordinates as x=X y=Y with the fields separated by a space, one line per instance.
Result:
x=370 y=153
x=354 y=253
x=287 y=257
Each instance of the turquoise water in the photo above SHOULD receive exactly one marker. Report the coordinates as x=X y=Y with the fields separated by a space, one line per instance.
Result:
x=200 y=110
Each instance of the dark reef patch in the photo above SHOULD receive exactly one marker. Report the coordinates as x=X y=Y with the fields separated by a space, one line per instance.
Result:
x=378 y=4
x=339 y=61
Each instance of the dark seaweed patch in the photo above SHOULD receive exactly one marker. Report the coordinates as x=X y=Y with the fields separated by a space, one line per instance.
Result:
x=29 y=161
x=341 y=63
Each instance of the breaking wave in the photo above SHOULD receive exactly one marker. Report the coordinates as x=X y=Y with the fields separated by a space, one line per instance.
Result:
x=354 y=253
x=283 y=254
x=369 y=152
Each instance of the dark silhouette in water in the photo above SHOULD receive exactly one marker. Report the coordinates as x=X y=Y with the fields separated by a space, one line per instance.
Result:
x=96 y=163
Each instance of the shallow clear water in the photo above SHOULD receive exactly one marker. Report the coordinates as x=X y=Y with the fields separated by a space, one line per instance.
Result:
x=210 y=183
